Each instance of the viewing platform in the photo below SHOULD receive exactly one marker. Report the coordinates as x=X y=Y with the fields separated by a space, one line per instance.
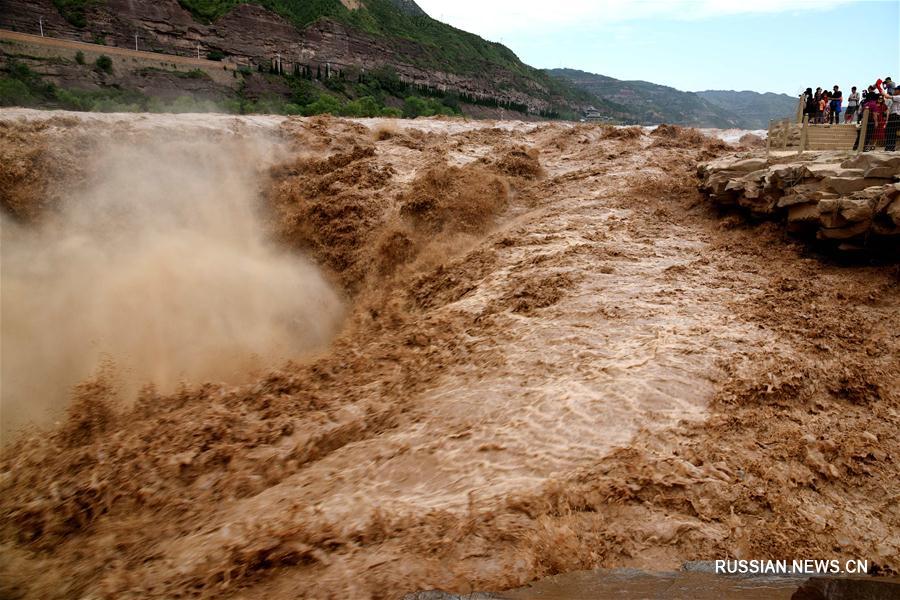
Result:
x=796 y=134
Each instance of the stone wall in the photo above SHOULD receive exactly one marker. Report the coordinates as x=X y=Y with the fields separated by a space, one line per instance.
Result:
x=848 y=200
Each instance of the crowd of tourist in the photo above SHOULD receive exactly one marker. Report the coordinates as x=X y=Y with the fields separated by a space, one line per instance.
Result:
x=881 y=99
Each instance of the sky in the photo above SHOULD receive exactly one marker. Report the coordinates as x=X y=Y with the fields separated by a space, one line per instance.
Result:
x=779 y=46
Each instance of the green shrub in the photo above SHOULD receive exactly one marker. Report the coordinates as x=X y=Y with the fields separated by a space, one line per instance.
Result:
x=413 y=107
x=324 y=105
x=105 y=100
x=19 y=70
x=15 y=93
x=232 y=105
x=109 y=105
x=391 y=112
x=104 y=63
x=215 y=55
x=25 y=87
x=334 y=84
x=363 y=107
x=73 y=11
x=303 y=92
x=71 y=100
x=189 y=104
x=79 y=57
x=387 y=79
x=269 y=105
x=21 y=78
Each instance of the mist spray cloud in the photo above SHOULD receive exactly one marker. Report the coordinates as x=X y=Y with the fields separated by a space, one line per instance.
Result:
x=161 y=263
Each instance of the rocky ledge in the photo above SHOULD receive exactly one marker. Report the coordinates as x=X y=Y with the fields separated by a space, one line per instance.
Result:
x=851 y=201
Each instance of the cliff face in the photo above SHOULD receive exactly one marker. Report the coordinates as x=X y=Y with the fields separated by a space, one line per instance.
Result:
x=250 y=34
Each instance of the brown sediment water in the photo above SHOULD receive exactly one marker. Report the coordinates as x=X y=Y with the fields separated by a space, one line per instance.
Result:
x=159 y=268
x=517 y=350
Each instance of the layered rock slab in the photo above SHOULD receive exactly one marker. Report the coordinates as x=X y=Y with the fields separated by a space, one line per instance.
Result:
x=849 y=199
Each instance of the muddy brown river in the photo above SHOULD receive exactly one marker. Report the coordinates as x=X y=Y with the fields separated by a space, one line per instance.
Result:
x=286 y=357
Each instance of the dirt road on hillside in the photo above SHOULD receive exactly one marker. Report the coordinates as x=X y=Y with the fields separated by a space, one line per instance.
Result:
x=51 y=42
x=554 y=357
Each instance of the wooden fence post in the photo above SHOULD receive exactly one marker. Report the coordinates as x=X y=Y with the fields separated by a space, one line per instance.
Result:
x=800 y=110
x=804 y=135
x=862 y=131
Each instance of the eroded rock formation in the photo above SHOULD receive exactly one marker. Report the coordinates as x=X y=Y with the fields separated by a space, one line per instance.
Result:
x=837 y=196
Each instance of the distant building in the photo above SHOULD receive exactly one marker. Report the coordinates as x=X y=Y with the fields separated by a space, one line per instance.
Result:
x=592 y=114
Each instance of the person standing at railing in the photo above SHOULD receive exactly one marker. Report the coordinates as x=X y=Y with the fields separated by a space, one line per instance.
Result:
x=852 y=104
x=836 y=99
x=881 y=116
x=868 y=136
x=893 y=122
x=817 y=99
x=823 y=106
x=890 y=87
x=869 y=95
x=809 y=108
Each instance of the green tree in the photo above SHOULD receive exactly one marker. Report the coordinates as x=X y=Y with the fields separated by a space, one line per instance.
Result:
x=324 y=105
x=363 y=107
x=104 y=63
x=414 y=107
x=303 y=92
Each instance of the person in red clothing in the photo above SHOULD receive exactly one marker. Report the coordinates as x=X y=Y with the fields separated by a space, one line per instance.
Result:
x=880 y=114
x=868 y=136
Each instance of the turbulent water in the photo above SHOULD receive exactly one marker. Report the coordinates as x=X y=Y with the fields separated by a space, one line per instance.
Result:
x=548 y=355
x=158 y=268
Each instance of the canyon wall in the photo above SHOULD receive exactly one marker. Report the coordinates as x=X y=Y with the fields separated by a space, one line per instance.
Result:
x=252 y=35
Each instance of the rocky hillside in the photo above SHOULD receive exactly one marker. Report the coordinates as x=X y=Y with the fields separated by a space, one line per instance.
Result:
x=645 y=102
x=338 y=44
x=317 y=34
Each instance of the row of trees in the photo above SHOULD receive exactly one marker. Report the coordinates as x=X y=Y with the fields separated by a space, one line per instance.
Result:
x=387 y=80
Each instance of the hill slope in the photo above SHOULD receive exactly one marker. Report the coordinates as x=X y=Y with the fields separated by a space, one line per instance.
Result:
x=650 y=103
x=357 y=37
x=754 y=108
x=646 y=102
